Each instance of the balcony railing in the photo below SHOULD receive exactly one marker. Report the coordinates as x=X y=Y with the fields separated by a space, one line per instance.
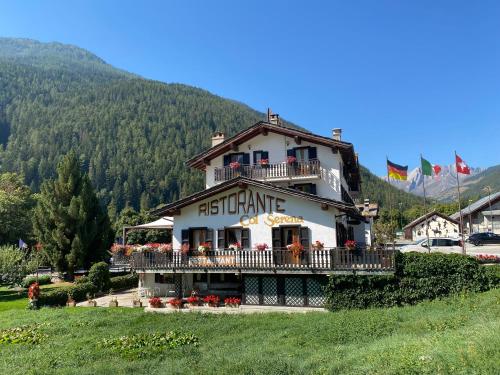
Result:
x=322 y=261
x=271 y=172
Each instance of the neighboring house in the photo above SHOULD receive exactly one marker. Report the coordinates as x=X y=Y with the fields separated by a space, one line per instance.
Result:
x=272 y=193
x=439 y=225
x=482 y=215
x=370 y=212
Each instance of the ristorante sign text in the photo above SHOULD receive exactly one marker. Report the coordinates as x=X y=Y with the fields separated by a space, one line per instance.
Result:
x=242 y=202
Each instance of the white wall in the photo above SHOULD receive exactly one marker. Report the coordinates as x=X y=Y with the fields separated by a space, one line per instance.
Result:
x=321 y=223
x=329 y=184
x=438 y=227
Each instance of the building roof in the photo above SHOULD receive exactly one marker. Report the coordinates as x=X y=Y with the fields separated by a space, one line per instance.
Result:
x=427 y=216
x=477 y=205
x=244 y=182
x=370 y=211
x=345 y=148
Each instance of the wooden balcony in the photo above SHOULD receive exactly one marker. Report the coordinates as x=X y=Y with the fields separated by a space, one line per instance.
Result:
x=271 y=172
x=335 y=260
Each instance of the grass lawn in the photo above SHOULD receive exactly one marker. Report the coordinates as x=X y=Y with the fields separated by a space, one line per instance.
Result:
x=451 y=336
x=12 y=299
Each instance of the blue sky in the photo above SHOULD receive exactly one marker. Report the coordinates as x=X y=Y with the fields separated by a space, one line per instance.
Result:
x=399 y=77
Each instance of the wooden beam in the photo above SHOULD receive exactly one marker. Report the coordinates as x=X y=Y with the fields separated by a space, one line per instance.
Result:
x=206 y=161
x=175 y=212
x=324 y=206
x=297 y=139
x=242 y=185
x=263 y=131
x=234 y=146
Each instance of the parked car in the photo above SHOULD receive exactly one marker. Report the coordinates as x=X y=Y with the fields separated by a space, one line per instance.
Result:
x=484 y=238
x=443 y=245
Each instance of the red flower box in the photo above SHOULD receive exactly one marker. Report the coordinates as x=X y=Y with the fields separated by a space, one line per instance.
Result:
x=212 y=300
x=155 y=302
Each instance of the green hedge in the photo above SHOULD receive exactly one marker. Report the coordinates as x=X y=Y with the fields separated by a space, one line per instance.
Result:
x=99 y=276
x=124 y=282
x=42 y=280
x=58 y=297
x=418 y=277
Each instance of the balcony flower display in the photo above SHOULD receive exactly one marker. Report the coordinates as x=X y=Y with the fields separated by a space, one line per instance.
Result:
x=350 y=244
x=119 y=249
x=264 y=162
x=291 y=159
x=165 y=248
x=261 y=246
x=212 y=300
x=176 y=303
x=235 y=246
x=155 y=302
x=296 y=248
x=318 y=245
x=205 y=247
x=193 y=300
x=232 y=301
x=234 y=165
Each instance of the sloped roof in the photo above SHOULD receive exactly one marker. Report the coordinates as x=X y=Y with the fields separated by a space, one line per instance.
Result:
x=427 y=216
x=477 y=205
x=243 y=182
x=165 y=222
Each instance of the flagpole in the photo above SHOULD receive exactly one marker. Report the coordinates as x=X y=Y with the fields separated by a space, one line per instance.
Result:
x=459 y=207
x=390 y=199
x=425 y=207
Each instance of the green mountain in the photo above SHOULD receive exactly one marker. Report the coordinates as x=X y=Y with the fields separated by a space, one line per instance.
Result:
x=474 y=186
x=132 y=134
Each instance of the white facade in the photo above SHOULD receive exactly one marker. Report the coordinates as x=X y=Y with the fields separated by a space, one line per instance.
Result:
x=328 y=185
x=438 y=227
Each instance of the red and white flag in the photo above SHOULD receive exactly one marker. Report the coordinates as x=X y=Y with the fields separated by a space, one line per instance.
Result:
x=461 y=166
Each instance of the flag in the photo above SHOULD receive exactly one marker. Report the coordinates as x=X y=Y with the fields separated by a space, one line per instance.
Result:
x=22 y=244
x=461 y=166
x=398 y=172
x=429 y=169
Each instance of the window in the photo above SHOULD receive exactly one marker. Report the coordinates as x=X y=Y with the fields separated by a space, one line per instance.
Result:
x=302 y=154
x=260 y=155
x=233 y=235
x=196 y=236
x=240 y=157
x=229 y=236
x=166 y=278
x=287 y=235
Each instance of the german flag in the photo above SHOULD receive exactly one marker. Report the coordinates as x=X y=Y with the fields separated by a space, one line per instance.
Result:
x=396 y=171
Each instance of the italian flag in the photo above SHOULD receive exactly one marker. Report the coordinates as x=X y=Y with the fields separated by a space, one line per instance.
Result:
x=429 y=169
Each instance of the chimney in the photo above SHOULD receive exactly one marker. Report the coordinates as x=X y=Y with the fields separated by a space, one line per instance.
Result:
x=217 y=138
x=273 y=118
x=337 y=134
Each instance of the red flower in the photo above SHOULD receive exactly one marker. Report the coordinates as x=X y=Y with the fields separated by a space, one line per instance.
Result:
x=155 y=302
x=193 y=300
x=232 y=301
x=212 y=300
x=291 y=159
x=234 y=165
x=175 y=302
x=34 y=291
x=350 y=244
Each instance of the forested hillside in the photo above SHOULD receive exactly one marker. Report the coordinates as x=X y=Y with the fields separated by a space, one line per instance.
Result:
x=132 y=135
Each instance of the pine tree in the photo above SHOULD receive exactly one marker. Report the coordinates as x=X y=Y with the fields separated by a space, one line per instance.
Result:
x=69 y=222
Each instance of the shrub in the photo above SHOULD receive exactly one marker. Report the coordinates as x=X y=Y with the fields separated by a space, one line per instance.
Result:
x=58 y=297
x=418 y=277
x=124 y=282
x=42 y=280
x=82 y=280
x=99 y=276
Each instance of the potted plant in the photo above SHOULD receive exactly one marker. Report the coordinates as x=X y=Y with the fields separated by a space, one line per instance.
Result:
x=155 y=302
x=350 y=245
x=33 y=294
x=165 y=248
x=211 y=300
x=235 y=246
x=291 y=160
x=114 y=301
x=232 y=302
x=70 y=302
x=296 y=248
x=234 y=165
x=261 y=246
x=90 y=301
x=264 y=162
x=193 y=300
x=317 y=245
x=136 y=301
x=175 y=303
x=204 y=248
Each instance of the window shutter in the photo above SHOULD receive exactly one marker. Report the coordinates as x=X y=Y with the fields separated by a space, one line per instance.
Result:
x=265 y=155
x=290 y=152
x=276 y=234
x=221 y=238
x=313 y=153
x=185 y=236
x=245 y=238
x=313 y=189
x=227 y=160
x=304 y=237
x=210 y=235
x=246 y=159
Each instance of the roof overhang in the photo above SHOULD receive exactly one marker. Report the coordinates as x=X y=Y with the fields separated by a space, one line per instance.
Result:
x=243 y=183
x=428 y=216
